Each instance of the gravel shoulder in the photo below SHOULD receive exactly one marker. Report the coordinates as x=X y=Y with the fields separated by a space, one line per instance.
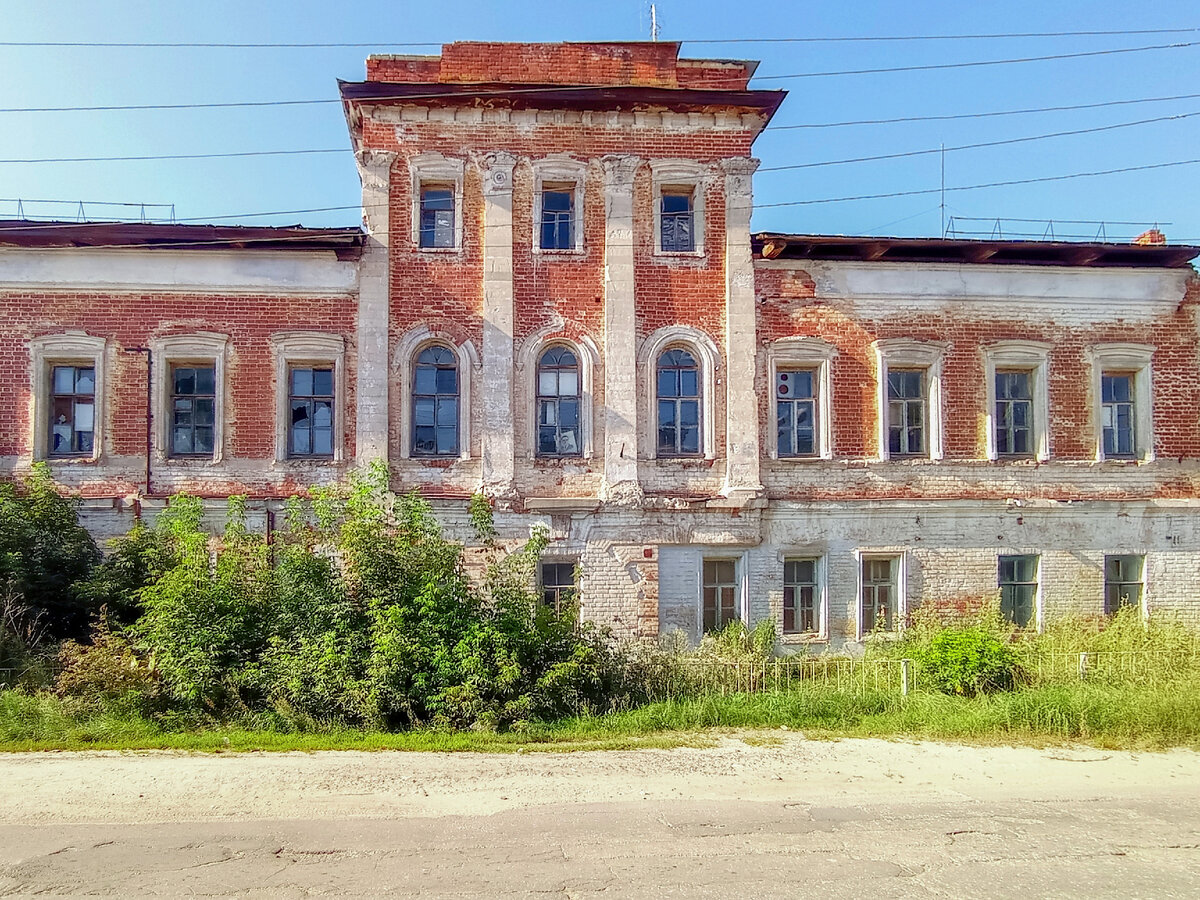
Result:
x=157 y=787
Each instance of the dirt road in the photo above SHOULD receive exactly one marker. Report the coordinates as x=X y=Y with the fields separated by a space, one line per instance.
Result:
x=787 y=819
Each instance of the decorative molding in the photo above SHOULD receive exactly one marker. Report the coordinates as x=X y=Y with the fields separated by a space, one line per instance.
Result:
x=904 y=353
x=709 y=358
x=410 y=344
x=317 y=347
x=66 y=348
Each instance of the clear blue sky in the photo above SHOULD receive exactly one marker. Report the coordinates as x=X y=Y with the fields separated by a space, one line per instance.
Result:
x=46 y=76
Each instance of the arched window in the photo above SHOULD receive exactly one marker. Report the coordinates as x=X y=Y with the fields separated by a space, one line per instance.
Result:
x=678 y=393
x=558 y=403
x=435 y=403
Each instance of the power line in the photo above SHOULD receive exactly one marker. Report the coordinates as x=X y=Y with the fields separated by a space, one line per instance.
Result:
x=824 y=39
x=811 y=165
x=909 y=193
x=170 y=156
x=982 y=115
x=975 y=146
x=975 y=187
x=567 y=88
x=983 y=62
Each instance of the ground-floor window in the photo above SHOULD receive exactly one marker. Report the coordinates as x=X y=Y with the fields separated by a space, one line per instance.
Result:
x=879 y=600
x=1018 y=581
x=801 y=597
x=720 y=593
x=1123 y=582
x=558 y=588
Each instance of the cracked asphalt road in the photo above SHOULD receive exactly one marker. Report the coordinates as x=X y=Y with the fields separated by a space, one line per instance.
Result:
x=801 y=818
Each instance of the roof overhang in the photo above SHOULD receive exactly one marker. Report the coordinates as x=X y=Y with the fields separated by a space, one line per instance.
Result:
x=773 y=245
x=345 y=242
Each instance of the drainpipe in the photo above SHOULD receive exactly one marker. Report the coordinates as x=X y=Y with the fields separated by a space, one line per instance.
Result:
x=149 y=412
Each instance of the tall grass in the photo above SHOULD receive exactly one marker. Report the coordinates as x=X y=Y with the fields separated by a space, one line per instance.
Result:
x=1113 y=716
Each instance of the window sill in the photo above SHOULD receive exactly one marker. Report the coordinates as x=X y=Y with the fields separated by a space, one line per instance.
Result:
x=566 y=253
x=438 y=250
x=803 y=638
x=824 y=457
x=71 y=460
x=690 y=256
x=1120 y=461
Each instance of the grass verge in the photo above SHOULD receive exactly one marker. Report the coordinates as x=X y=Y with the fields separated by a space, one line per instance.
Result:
x=1129 y=717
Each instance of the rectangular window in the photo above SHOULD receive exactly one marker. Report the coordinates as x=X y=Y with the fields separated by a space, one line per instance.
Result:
x=1018 y=580
x=1123 y=582
x=677 y=221
x=310 y=398
x=73 y=410
x=801 y=597
x=558 y=217
x=720 y=593
x=193 y=409
x=558 y=585
x=437 y=216
x=879 y=603
x=1014 y=413
x=1117 y=414
x=907 y=405
x=796 y=412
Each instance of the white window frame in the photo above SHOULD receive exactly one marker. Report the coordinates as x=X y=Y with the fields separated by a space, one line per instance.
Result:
x=702 y=347
x=588 y=354
x=902 y=353
x=714 y=554
x=559 y=169
x=1030 y=356
x=410 y=345
x=685 y=174
x=802 y=353
x=69 y=348
x=198 y=347
x=1136 y=359
x=305 y=348
x=901 y=557
x=821 y=635
x=432 y=168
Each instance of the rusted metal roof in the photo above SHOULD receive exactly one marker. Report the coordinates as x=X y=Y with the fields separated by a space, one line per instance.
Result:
x=774 y=245
x=345 y=242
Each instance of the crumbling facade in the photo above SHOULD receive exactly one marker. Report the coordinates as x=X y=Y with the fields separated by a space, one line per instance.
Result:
x=557 y=300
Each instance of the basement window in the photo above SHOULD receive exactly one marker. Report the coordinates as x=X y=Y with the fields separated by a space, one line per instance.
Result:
x=720 y=598
x=1018 y=582
x=1123 y=582
x=558 y=586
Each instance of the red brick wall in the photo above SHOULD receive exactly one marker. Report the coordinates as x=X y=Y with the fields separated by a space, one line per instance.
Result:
x=788 y=306
x=644 y=64
x=133 y=319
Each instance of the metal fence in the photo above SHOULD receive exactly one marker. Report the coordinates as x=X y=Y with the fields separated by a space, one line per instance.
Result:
x=856 y=675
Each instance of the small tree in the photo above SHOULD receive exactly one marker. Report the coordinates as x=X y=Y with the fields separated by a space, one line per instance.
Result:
x=45 y=554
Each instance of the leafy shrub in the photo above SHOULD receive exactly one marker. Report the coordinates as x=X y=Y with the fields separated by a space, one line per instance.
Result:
x=365 y=616
x=970 y=660
x=106 y=672
x=133 y=562
x=45 y=554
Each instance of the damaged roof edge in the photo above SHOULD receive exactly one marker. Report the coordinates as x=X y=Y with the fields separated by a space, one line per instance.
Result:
x=774 y=245
x=345 y=242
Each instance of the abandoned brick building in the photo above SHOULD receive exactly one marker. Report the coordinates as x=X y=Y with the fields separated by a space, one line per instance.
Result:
x=557 y=300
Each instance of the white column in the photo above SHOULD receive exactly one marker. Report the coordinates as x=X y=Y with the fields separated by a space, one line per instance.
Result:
x=372 y=373
x=620 y=334
x=741 y=344
x=496 y=393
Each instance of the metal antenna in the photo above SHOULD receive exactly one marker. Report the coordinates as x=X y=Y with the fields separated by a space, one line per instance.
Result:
x=653 y=22
x=943 y=203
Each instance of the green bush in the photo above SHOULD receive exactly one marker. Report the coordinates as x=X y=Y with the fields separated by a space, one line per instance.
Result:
x=363 y=616
x=45 y=554
x=970 y=660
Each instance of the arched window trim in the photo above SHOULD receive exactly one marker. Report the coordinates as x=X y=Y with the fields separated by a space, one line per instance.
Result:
x=587 y=353
x=702 y=347
x=67 y=347
x=404 y=364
